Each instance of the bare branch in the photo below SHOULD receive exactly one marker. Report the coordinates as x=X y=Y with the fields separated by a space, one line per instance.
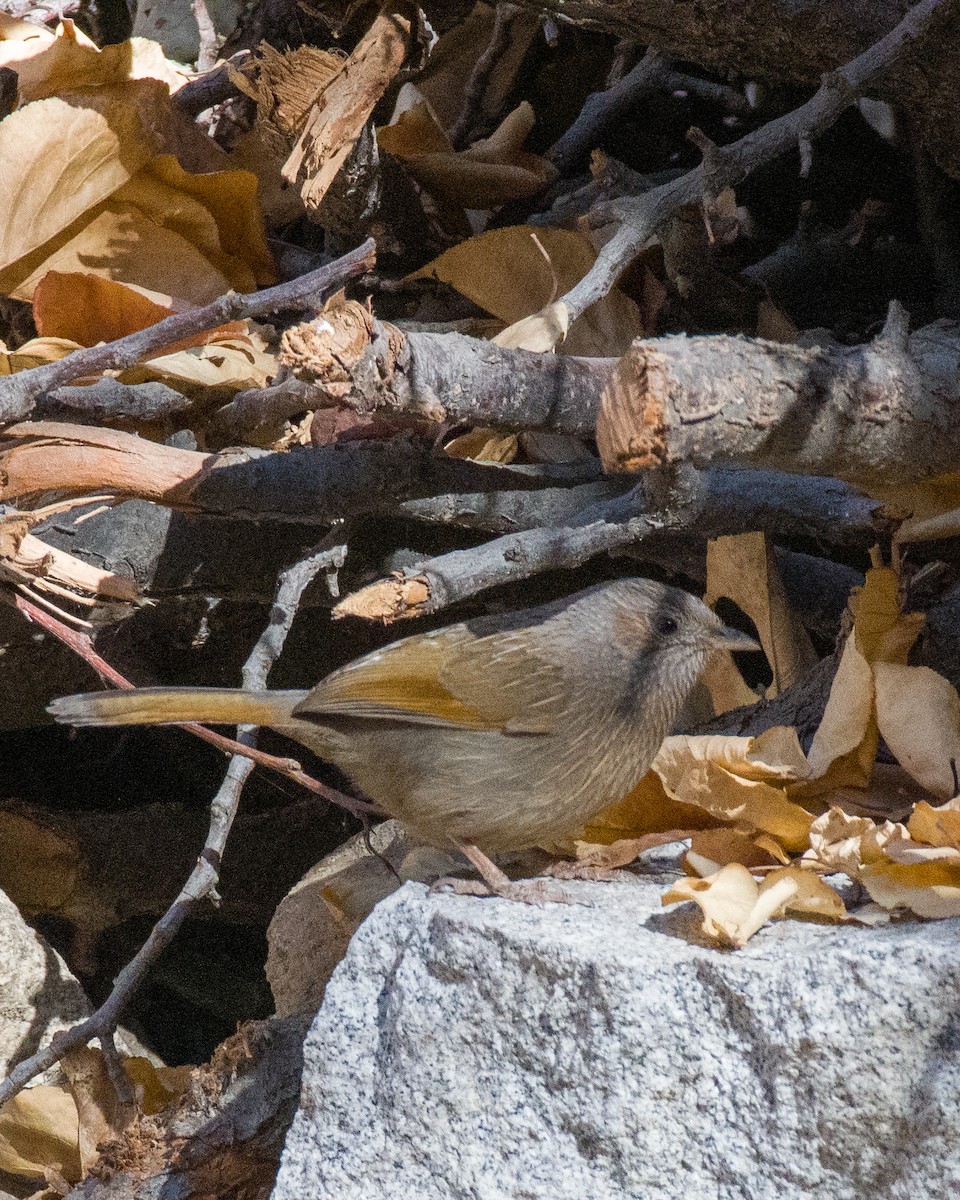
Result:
x=19 y=392
x=717 y=502
x=477 y=83
x=601 y=110
x=642 y=216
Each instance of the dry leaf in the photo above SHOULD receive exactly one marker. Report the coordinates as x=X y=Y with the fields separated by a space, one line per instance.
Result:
x=735 y=906
x=621 y=853
x=918 y=715
x=540 y=332
x=839 y=842
x=743 y=569
x=845 y=744
x=87 y=309
x=701 y=782
x=936 y=826
x=35 y=353
x=39 y=1129
x=71 y=61
x=234 y=363
x=60 y=161
x=711 y=849
x=101 y=1114
x=87 y=194
x=647 y=809
x=486 y=175
x=929 y=889
x=454 y=56
x=483 y=444
x=517 y=271
x=20 y=40
x=38 y=867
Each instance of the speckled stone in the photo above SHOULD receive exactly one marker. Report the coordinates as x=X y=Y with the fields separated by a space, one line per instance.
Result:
x=474 y=1049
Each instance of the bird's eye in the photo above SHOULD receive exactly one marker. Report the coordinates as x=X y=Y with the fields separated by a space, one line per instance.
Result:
x=665 y=626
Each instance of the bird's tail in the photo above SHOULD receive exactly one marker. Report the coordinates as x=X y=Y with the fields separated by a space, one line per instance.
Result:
x=166 y=706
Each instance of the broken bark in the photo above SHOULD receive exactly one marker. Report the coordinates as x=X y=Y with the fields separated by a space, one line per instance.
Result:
x=307 y=485
x=371 y=365
x=885 y=412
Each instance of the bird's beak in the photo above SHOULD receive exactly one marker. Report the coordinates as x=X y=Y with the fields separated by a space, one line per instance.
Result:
x=726 y=638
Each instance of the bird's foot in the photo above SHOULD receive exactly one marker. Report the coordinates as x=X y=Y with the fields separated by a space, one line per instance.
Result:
x=524 y=891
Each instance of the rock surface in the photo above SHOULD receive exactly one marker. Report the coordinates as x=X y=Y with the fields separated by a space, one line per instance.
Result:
x=477 y=1050
x=38 y=995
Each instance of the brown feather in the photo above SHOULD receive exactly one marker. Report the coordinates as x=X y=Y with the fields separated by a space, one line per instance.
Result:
x=494 y=684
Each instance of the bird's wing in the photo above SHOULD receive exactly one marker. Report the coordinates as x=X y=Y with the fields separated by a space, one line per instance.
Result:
x=451 y=678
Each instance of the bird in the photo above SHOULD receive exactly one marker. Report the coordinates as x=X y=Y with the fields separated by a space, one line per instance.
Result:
x=495 y=734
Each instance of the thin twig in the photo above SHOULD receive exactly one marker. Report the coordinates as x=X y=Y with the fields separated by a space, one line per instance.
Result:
x=601 y=110
x=203 y=880
x=18 y=392
x=209 y=41
x=641 y=217
x=81 y=644
x=480 y=76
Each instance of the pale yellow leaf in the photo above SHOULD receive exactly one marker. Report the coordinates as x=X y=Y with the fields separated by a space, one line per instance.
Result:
x=59 y=162
x=483 y=444
x=918 y=715
x=846 y=738
x=845 y=744
x=231 y=365
x=936 y=826
x=39 y=1129
x=743 y=569
x=541 y=331
x=72 y=61
x=735 y=906
x=929 y=889
x=840 y=842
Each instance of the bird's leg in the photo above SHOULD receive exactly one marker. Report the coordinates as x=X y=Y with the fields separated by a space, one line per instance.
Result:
x=495 y=883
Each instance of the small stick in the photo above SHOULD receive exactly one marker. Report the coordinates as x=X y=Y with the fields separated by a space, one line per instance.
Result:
x=480 y=76
x=207 y=57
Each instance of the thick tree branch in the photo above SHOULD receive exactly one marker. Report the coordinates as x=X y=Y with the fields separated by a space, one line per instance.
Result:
x=887 y=412
x=352 y=358
x=720 y=501
x=308 y=485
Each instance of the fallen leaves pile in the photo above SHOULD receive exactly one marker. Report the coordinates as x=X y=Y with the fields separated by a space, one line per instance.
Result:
x=770 y=822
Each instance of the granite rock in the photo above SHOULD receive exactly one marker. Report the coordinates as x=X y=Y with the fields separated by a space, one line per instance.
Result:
x=472 y=1049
